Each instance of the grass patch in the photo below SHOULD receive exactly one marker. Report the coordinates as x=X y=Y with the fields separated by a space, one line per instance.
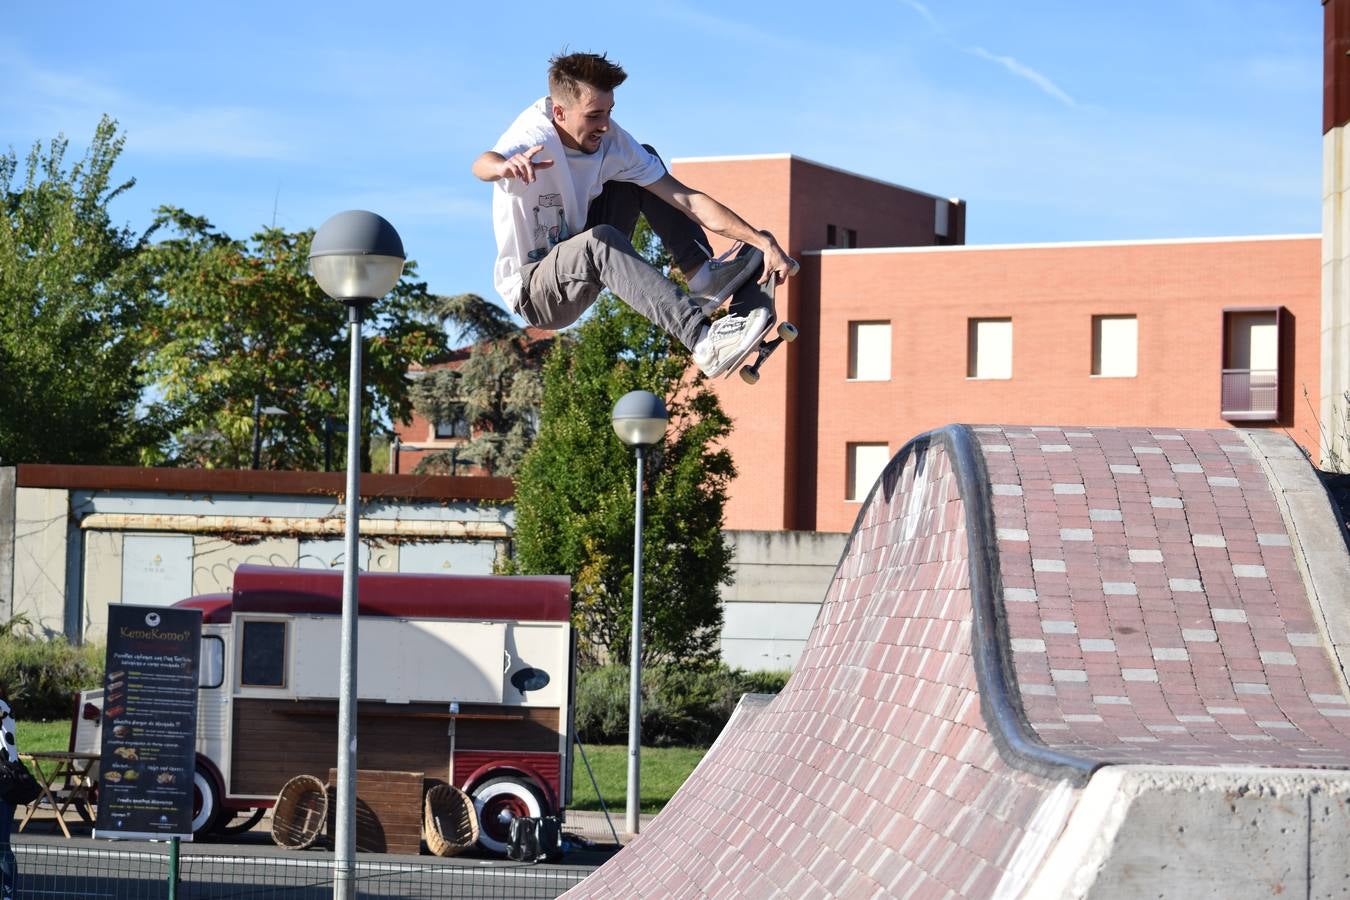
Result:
x=35 y=737
x=662 y=771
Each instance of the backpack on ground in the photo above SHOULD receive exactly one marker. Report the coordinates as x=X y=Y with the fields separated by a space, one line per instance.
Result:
x=533 y=839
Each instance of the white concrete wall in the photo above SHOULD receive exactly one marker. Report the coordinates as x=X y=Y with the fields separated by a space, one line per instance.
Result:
x=781 y=579
x=1197 y=833
x=41 y=518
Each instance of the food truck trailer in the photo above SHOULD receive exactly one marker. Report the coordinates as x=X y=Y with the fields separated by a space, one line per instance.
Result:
x=466 y=678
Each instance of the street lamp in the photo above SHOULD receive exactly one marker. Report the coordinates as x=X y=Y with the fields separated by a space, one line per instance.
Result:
x=356 y=257
x=258 y=412
x=639 y=419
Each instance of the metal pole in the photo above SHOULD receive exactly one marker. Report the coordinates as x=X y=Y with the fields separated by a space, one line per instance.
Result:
x=344 y=880
x=257 y=432
x=635 y=667
x=173 y=868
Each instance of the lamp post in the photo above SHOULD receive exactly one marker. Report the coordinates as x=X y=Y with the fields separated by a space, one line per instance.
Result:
x=258 y=412
x=357 y=258
x=639 y=419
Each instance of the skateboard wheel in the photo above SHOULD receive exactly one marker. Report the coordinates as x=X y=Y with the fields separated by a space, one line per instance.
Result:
x=787 y=331
x=749 y=375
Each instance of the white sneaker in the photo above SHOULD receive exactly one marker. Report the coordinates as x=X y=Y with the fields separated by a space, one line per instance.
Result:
x=727 y=341
x=719 y=278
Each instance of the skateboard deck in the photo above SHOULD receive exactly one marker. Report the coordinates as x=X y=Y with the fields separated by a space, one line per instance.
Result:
x=751 y=296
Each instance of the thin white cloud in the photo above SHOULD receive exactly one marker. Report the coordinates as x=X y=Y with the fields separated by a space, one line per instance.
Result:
x=729 y=29
x=59 y=101
x=1022 y=70
x=923 y=11
x=1011 y=64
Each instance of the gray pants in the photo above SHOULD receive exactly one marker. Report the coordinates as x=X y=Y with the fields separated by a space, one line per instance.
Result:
x=560 y=287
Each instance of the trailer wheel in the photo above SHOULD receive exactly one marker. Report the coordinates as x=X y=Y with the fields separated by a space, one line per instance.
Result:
x=499 y=801
x=205 y=804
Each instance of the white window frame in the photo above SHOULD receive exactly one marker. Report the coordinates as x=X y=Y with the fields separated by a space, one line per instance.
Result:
x=855 y=491
x=1100 y=343
x=990 y=370
x=869 y=334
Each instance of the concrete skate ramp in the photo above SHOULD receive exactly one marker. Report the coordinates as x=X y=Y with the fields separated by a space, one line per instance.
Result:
x=1052 y=663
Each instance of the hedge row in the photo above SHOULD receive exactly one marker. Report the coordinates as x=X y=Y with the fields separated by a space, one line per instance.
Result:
x=40 y=677
x=681 y=705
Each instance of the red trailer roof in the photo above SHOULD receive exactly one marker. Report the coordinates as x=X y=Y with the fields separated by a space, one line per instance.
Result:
x=527 y=598
x=215 y=607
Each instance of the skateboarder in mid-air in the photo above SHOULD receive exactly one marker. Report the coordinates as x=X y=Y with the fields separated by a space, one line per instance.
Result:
x=569 y=186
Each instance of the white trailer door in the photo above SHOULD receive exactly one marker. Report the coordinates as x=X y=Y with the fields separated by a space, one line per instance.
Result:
x=402 y=661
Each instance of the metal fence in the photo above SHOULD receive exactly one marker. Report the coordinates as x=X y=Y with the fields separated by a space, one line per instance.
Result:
x=143 y=871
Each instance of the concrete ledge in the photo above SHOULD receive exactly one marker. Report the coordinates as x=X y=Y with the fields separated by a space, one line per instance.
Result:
x=1315 y=534
x=1192 y=832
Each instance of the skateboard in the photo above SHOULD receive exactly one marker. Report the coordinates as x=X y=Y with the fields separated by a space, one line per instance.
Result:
x=749 y=297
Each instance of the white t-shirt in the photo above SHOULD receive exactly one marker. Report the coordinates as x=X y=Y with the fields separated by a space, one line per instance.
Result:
x=529 y=219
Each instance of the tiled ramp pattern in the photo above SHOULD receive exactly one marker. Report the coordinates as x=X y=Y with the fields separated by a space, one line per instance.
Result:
x=1154 y=606
x=871 y=773
x=1056 y=599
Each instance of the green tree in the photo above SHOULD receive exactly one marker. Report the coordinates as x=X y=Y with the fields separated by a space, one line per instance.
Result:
x=494 y=389
x=241 y=319
x=574 y=492
x=72 y=297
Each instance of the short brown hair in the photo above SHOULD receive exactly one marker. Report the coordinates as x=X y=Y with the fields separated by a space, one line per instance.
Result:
x=566 y=74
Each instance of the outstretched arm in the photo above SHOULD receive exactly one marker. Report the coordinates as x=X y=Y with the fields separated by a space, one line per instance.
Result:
x=718 y=218
x=492 y=166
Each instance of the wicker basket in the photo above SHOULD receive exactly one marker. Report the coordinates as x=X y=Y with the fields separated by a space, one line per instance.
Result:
x=449 y=821
x=300 y=812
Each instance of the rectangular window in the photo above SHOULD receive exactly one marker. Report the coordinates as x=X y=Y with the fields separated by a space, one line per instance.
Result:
x=865 y=465
x=211 y=667
x=840 y=237
x=1251 y=365
x=989 y=348
x=869 y=351
x=263 y=654
x=1115 y=346
x=458 y=427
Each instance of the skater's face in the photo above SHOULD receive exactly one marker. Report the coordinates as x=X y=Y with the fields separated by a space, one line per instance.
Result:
x=583 y=122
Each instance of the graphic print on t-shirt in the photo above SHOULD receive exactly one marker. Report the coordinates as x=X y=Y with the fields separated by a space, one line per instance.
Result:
x=546 y=237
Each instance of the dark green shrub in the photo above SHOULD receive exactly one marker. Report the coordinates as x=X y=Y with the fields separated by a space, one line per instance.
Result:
x=601 y=705
x=766 y=682
x=684 y=705
x=43 y=675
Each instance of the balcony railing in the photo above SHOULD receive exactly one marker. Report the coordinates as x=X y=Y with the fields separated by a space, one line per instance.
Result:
x=1251 y=395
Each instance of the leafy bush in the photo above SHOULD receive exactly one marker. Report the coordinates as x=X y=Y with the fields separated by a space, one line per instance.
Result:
x=40 y=676
x=602 y=705
x=681 y=705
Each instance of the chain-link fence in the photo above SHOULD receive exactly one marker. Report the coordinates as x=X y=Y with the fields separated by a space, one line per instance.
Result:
x=131 y=872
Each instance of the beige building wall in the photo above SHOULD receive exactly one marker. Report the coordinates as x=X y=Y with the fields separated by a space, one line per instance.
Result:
x=1335 y=302
x=102 y=580
x=40 y=517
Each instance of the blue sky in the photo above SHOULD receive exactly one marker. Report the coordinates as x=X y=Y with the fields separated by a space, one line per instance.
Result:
x=1055 y=121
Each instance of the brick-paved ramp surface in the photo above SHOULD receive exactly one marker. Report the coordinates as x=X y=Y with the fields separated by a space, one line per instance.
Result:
x=1052 y=663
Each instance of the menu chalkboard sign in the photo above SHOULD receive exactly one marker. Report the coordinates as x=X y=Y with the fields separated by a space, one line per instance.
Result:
x=148 y=753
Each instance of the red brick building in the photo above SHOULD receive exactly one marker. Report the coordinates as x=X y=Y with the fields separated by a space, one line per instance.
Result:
x=421 y=437
x=904 y=330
